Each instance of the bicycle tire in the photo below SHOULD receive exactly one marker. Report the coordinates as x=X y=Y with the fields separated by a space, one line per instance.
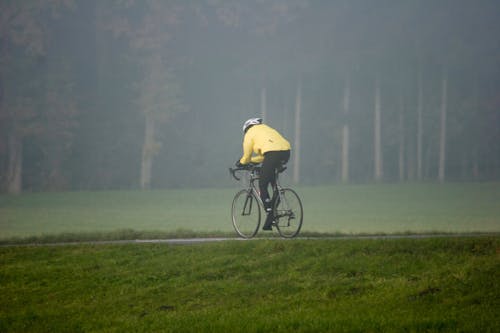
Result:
x=246 y=214
x=288 y=213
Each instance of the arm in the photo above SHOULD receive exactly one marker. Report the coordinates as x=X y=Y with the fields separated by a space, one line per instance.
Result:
x=257 y=159
x=247 y=152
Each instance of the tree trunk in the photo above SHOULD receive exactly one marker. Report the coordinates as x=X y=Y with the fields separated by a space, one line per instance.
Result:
x=296 y=147
x=464 y=175
x=377 y=140
x=54 y=178
x=263 y=103
x=442 y=132
x=402 y=144
x=475 y=167
x=148 y=152
x=14 y=163
x=286 y=114
x=345 y=133
x=420 y=132
x=410 y=159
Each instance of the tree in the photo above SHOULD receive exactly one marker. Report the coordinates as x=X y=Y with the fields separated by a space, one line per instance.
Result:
x=263 y=103
x=377 y=134
x=442 y=129
x=420 y=129
x=159 y=99
x=296 y=146
x=402 y=143
x=261 y=20
x=157 y=92
x=345 y=132
x=23 y=39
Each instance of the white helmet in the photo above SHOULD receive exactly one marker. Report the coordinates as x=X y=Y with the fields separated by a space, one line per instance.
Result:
x=251 y=122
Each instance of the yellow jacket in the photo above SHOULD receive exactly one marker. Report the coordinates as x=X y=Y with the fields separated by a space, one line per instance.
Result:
x=259 y=139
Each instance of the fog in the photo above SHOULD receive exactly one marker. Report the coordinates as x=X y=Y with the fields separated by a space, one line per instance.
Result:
x=131 y=94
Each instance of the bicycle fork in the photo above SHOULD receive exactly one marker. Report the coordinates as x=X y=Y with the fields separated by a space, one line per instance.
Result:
x=247 y=207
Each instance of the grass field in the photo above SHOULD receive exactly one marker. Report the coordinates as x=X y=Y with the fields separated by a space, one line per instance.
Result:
x=441 y=284
x=404 y=285
x=455 y=208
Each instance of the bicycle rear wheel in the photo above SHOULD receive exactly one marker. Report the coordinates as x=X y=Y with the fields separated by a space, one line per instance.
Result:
x=246 y=214
x=288 y=213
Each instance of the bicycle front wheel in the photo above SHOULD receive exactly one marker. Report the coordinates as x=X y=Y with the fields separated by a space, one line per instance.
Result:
x=288 y=213
x=246 y=214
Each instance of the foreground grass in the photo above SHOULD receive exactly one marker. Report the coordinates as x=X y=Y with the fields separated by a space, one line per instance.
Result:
x=401 y=208
x=441 y=284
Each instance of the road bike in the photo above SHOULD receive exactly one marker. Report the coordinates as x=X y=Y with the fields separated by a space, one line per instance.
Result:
x=247 y=208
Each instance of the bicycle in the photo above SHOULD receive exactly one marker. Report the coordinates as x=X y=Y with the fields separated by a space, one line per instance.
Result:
x=247 y=206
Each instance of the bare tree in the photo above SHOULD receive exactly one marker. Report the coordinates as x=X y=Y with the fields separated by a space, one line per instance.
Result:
x=158 y=93
x=442 y=131
x=14 y=163
x=263 y=103
x=22 y=29
x=296 y=146
x=377 y=135
x=420 y=130
x=402 y=143
x=159 y=99
x=345 y=132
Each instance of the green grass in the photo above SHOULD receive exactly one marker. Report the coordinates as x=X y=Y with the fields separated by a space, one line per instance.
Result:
x=268 y=285
x=353 y=209
x=405 y=285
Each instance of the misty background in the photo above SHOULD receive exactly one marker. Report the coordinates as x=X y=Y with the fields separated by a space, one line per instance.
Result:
x=124 y=94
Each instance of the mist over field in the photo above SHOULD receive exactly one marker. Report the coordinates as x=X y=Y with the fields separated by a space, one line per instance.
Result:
x=119 y=120
x=99 y=95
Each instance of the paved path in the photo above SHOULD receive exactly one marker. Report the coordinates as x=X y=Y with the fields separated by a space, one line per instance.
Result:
x=184 y=241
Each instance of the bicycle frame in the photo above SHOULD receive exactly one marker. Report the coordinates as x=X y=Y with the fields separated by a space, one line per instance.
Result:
x=287 y=212
x=254 y=187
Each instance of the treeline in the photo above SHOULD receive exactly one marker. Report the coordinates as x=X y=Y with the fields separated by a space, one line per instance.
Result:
x=152 y=94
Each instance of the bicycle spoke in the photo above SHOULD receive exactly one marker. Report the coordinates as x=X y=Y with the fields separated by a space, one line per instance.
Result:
x=288 y=213
x=246 y=214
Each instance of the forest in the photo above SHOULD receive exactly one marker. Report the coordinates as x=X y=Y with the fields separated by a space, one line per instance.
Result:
x=151 y=94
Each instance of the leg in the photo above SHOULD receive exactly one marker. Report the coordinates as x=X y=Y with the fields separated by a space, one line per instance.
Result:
x=266 y=178
x=275 y=160
x=272 y=161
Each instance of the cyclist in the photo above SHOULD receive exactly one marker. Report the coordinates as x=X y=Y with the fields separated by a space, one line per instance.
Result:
x=263 y=144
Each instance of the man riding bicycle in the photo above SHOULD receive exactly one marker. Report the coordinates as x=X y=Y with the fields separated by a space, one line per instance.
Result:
x=269 y=148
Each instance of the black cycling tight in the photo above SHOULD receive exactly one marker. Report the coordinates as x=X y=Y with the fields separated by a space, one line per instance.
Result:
x=272 y=161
